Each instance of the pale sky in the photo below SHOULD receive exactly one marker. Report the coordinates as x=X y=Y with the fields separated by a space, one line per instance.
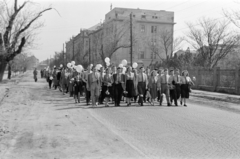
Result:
x=77 y=14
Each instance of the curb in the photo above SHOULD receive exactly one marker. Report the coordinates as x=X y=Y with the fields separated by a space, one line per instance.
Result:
x=223 y=99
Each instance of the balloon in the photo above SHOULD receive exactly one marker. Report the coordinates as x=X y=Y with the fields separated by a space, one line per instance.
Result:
x=98 y=66
x=79 y=68
x=69 y=65
x=108 y=64
x=194 y=78
x=54 y=66
x=124 y=69
x=107 y=60
x=73 y=62
x=124 y=62
x=135 y=65
x=120 y=65
x=61 y=65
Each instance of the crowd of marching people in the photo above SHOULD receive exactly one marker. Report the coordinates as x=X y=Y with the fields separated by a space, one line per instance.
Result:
x=122 y=84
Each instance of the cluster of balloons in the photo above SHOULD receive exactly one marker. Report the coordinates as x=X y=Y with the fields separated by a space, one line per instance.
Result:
x=123 y=65
x=78 y=68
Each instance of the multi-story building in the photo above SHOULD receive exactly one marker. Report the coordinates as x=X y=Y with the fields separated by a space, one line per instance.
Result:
x=151 y=29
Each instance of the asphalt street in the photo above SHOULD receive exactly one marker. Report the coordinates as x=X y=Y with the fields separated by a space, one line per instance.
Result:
x=201 y=130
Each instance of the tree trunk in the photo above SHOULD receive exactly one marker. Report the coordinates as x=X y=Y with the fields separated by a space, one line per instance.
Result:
x=3 y=65
x=9 y=70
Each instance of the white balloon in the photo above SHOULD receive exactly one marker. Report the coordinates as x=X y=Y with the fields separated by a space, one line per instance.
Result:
x=135 y=65
x=124 y=69
x=61 y=65
x=120 y=65
x=107 y=60
x=73 y=62
x=108 y=64
x=124 y=62
x=69 y=65
x=194 y=78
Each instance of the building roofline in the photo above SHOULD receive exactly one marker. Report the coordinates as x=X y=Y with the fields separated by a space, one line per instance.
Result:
x=140 y=9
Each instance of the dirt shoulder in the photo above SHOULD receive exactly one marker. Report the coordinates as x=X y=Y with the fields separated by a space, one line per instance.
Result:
x=38 y=123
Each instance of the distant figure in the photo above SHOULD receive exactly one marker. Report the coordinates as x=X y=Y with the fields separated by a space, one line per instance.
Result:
x=41 y=73
x=35 y=72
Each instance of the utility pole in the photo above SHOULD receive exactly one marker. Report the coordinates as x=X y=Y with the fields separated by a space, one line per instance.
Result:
x=63 y=56
x=73 y=50
x=89 y=51
x=131 y=47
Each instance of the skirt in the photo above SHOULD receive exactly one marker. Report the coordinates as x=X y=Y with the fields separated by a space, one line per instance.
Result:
x=106 y=89
x=130 y=89
x=153 y=91
x=184 y=91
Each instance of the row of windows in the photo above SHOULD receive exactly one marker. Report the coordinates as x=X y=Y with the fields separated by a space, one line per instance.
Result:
x=153 y=29
x=141 y=55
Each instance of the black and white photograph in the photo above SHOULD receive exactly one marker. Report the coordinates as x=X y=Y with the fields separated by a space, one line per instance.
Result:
x=119 y=79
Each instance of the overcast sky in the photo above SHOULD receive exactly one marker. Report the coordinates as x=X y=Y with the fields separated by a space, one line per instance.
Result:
x=77 y=14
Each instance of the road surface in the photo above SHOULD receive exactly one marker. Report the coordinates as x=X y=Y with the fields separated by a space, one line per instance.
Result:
x=40 y=123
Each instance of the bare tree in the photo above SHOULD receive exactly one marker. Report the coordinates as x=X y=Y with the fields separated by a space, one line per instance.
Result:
x=118 y=38
x=212 y=39
x=19 y=29
x=164 y=43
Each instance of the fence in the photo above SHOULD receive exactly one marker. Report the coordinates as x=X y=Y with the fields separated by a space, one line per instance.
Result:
x=216 y=80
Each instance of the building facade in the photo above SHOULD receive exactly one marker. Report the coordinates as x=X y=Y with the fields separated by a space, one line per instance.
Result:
x=148 y=28
x=112 y=38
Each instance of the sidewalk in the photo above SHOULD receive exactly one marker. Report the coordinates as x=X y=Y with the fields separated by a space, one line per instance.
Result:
x=216 y=96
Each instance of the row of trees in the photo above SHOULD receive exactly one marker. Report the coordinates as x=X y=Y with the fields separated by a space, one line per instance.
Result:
x=18 y=26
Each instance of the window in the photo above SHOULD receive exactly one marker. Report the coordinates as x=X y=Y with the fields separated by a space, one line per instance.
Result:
x=154 y=29
x=116 y=15
x=133 y=16
x=141 y=55
x=154 y=42
x=142 y=28
x=144 y=16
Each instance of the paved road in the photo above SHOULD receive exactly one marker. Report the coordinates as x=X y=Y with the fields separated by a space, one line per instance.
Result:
x=197 y=131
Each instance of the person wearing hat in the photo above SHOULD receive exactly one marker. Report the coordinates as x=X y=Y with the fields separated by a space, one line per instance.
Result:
x=163 y=85
x=142 y=85
x=117 y=80
x=94 y=85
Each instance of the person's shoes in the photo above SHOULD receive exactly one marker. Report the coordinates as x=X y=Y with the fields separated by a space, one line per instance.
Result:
x=169 y=105
x=79 y=101
x=181 y=102
x=75 y=101
x=185 y=105
x=160 y=103
x=106 y=105
x=176 y=104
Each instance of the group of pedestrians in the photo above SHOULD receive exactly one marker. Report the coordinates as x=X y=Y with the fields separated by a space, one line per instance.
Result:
x=112 y=84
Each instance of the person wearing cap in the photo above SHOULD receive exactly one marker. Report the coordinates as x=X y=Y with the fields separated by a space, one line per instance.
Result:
x=94 y=85
x=117 y=80
x=172 y=87
x=142 y=85
x=87 y=87
x=163 y=85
